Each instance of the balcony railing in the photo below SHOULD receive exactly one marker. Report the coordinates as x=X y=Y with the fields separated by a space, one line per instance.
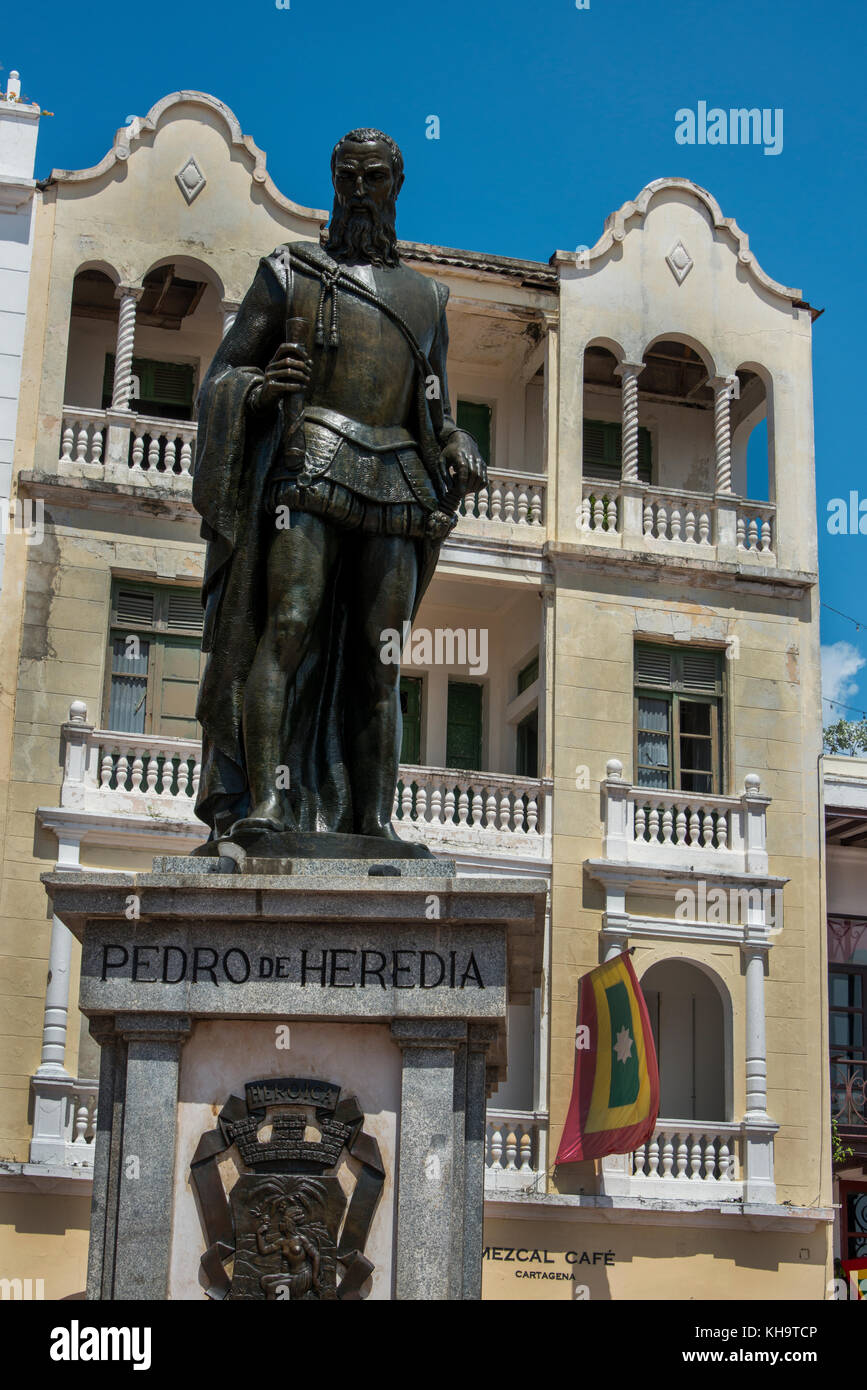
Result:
x=64 y=1121
x=675 y=522
x=515 y=1151
x=849 y=1092
x=685 y=1160
x=119 y=446
x=518 y=499
x=157 y=778
x=671 y=829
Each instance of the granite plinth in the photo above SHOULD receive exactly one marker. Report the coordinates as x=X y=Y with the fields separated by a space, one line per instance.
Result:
x=310 y=868
x=425 y=961
x=264 y=843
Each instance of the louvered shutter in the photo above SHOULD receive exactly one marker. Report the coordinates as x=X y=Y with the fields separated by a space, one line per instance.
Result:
x=603 y=451
x=185 y=611
x=135 y=607
x=653 y=666
x=476 y=420
x=700 y=671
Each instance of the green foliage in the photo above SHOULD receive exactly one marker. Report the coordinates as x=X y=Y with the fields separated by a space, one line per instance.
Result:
x=839 y=1151
x=846 y=736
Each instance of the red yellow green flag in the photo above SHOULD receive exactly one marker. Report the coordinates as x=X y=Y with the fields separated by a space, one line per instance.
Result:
x=856 y=1274
x=615 y=1090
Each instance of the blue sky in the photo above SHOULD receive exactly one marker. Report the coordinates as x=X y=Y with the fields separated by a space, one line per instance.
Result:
x=550 y=117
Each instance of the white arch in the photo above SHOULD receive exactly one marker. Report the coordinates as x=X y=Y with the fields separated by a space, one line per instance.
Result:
x=676 y=335
x=727 y=1013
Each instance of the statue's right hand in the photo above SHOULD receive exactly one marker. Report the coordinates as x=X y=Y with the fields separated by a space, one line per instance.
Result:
x=289 y=370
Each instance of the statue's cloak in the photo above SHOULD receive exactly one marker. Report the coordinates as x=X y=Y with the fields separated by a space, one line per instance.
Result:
x=235 y=452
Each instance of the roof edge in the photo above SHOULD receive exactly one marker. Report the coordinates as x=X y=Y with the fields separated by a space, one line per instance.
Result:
x=128 y=137
x=616 y=230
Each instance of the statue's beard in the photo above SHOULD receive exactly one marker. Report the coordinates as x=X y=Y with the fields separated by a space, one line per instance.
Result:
x=361 y=232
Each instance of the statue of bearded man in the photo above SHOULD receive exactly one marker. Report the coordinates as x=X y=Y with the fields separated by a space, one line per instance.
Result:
x=328 y=472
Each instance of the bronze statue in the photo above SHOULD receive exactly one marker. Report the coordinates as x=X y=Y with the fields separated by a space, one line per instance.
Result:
x=328 y=472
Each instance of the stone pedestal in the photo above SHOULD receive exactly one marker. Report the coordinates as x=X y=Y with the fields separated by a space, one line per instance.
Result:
x=376 y=993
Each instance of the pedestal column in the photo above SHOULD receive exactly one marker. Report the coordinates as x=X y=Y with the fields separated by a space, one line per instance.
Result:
x=759 y=1128
x=480 y=1036
x=430 y=1169
x=147 y=1154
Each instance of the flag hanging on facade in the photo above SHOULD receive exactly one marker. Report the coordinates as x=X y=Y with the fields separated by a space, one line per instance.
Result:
x=615 y=1090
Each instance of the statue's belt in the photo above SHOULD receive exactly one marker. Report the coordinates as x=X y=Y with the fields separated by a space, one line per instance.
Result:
x=378 y=462
x=375 y=438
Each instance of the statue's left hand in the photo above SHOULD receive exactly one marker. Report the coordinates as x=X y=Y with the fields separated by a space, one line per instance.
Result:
x=463 y=463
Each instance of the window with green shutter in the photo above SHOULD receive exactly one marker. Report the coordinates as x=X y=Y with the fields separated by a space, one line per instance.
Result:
x=464 y=726
x=165 y=389
x=410 y=709
x=678 y=718
x=527 y=749
x=155 y=660
x=603 y=451
x=476 y=419
x=528 y=675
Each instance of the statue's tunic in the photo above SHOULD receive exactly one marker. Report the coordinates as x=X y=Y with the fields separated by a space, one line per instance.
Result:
x=372 y=438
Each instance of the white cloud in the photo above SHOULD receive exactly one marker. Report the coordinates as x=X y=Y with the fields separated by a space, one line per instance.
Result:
x=840 y=663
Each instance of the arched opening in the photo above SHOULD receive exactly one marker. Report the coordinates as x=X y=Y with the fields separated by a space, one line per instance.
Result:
x=93 y=325
x=752 y=471
x=676 y=403
x=689 y=1029
x=178 y=327
x=602 y=435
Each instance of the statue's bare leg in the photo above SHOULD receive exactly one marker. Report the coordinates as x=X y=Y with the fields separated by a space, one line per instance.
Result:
x=383 y=599
x=299 y=565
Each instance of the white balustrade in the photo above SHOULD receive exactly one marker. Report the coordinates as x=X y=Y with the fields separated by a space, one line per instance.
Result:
x=64 y=1121
x=696 y=1161
x=755 y=525
x=600 y=510
x=473 y=808
x=82 y=441
x=690 y=1151
x=515 y=1148
x=516 y=498
x=167 y=770
x=145 y=449
x=678 y=829
x=678 y=522
x=148 y=775
x=161 y=448
x=683 y=517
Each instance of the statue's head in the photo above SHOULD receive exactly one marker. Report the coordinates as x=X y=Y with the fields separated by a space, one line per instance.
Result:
x=367 y=172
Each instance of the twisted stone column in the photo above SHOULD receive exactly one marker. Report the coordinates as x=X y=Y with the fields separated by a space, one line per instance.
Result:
x=122 y=386
x=629 y=373
x=723 y=387
x=230 y=313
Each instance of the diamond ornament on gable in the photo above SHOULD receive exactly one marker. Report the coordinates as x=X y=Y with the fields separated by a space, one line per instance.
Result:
x=190 y=180
x=679 y=261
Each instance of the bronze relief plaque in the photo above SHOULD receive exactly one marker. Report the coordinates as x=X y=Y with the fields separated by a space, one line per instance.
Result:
x=287 y=1230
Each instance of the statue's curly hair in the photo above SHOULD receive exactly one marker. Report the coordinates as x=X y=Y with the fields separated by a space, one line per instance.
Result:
x=366 y=134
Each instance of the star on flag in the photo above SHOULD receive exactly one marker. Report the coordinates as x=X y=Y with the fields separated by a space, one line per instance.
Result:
x=623 y=1046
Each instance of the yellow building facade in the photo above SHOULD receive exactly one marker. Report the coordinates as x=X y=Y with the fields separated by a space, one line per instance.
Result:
x=625 y=697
